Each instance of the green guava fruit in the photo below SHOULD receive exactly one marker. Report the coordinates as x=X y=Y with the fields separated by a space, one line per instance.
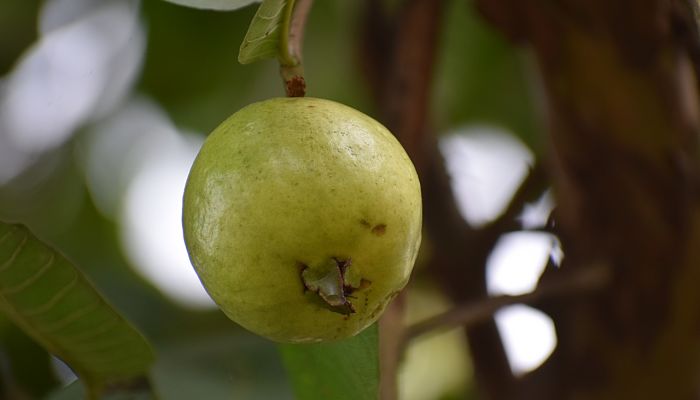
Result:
x=302 y=218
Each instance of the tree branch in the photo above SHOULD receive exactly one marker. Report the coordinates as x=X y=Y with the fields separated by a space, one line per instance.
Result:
x=459 y=263
x=532 y=187
x=470 y=313
x=620 y=81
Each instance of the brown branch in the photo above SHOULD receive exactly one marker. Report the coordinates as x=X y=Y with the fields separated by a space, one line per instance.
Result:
x=459 y=263
x=620 y=81
x=391 y=327
x=532 y=187
x=470 y=313
x=451 y=232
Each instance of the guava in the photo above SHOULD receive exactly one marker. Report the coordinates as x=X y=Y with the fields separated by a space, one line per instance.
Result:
x=302 y=218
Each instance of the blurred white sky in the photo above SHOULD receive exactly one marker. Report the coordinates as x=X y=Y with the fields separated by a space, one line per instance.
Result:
x=80 y=73
x=88 y=54
x=151 y=220
x=487 y=164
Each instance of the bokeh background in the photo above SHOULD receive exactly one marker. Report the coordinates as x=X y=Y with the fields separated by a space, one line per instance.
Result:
x=103 y=107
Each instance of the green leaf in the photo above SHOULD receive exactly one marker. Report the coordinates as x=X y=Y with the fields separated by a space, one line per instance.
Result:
x=221 y=364
x=29 y=363
x=267 y=33
x=344 y=370
x=219 y=5
x=51 y=301
x=76 y=391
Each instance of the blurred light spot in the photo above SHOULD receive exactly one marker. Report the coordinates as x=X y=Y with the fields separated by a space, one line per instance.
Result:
x=220 y=5
x=517 y=262
x=152 y=221
x=486 y=165
x=434 y=365
x=54 y=89
x=535 y=215
x=80 y=68
x=557 y=253
x=136 y=165
x=115 y=149
x=12 y=160
x=58 y=13
x=65 y=375
x=528 y=335
x=513 y=268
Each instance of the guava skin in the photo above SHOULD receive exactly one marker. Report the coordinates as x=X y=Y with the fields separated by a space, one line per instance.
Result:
x=294 y=183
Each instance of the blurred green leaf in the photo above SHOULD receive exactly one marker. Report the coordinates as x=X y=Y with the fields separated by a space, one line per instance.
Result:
x=481 y=78
x=223 y=364
x=266 y=32
x=71 y=392
x=348 y=369
x=26 y=366
x=76 y=391
x=48 y=298
x=220 y=5
x=18 y=29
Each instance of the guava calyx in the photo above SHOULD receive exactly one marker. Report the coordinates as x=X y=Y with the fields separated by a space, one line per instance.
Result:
x=333 y=282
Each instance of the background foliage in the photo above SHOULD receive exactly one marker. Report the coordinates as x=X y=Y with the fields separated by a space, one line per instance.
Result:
x=190 y=70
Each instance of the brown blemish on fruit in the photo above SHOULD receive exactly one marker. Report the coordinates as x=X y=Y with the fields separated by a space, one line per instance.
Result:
x=379 y=229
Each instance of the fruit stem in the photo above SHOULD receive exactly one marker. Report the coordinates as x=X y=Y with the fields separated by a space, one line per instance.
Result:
x=291 y=67
x=285 y=54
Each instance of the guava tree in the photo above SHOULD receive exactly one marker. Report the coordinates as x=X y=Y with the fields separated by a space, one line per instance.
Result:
x=605 y=94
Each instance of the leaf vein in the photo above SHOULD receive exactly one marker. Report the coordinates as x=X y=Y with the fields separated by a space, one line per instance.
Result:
x=5 y=236
x=53 y=300
x=93 y=333
x=29 y=281
x=72 y=317
x=106 y=345
x=9 y=262
x=274 y=15
x=264 y=36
